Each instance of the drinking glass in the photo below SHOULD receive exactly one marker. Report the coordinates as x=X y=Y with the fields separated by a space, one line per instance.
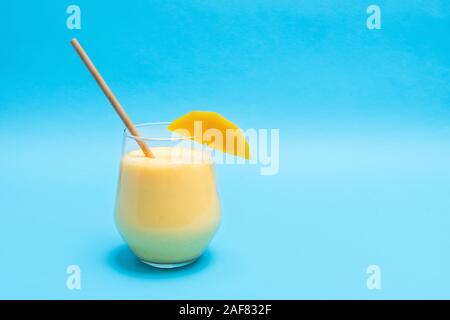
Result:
x=167 y=207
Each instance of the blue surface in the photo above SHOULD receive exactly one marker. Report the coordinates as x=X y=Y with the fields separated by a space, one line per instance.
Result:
x=364 y=161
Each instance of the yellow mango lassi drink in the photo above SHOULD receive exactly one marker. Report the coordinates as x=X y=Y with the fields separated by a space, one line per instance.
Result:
x=167 y=207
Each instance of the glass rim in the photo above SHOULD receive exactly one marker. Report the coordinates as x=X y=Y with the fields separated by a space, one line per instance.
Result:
x=154 y=124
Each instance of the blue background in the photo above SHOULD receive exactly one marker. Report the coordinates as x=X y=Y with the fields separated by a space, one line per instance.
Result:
x=364 y=161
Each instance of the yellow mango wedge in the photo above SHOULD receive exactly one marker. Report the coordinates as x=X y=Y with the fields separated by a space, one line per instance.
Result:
x=214 y=130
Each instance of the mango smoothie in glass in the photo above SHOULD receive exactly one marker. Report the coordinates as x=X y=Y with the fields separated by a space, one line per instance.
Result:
x=167 y=207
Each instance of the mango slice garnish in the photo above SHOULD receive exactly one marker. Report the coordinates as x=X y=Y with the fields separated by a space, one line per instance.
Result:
x=214 y=130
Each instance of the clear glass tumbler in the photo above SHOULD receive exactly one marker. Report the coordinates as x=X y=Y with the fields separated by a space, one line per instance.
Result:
x=167 y=207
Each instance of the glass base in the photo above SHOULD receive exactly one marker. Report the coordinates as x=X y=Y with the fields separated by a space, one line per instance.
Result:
x=168 y=265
